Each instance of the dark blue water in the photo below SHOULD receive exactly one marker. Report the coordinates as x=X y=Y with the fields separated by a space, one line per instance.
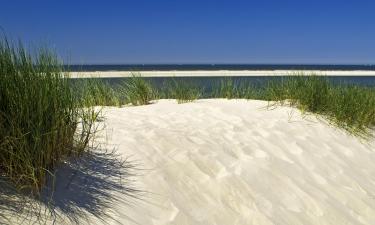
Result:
x=207 y=83
x=192 y=67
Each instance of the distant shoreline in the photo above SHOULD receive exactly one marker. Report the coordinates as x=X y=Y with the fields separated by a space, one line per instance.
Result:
x=218 y=67
x=218 y=73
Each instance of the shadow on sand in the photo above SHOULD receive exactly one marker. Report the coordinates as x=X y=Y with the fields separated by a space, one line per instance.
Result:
x=81 y=188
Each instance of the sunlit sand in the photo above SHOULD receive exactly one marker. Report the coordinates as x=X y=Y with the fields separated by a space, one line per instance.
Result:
x=246 y=73
x=241 y=162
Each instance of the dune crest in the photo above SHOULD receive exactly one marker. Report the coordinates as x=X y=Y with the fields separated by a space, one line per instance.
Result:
x=241 y=162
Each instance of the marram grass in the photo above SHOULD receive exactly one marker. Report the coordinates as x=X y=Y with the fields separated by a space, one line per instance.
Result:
x=42 y=122
x=137 y=91
x=182 y=91
x=347 y=106
x=230 y=89
x=95 y=92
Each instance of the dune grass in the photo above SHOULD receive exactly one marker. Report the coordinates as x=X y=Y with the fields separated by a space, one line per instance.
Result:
x=353 y=108
x=137 y=91
x=347 y=106
x=95 y=92
x=42 y=122
x=309 y=93
x=182 y=91
x=227 y=88
x=230 y=89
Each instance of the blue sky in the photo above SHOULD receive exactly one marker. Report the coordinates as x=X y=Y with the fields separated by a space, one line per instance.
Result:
x=197 y=31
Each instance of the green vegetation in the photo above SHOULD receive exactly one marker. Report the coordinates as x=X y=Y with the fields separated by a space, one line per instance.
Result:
x=308 y=92
x=42 y=122
x=94 y=92
x=347 y=106
x=182 y=91
x=353 y=108
x=229 y=89
x=137 y=91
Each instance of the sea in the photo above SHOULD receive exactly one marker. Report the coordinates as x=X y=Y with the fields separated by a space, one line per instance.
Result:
x=206 y=82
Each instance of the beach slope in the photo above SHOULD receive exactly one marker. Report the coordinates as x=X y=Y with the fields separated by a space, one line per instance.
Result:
x=241 y=162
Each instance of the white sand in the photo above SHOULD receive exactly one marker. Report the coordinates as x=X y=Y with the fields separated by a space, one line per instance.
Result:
x=224 y=162
x=235 y=162
x=216 y=73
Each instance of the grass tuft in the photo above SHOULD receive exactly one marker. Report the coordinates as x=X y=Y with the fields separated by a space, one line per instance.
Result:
x=95 y=92
x=347 y=106
x=182 y=91
x=226 y=89
x=42 y=123
x=137 y=90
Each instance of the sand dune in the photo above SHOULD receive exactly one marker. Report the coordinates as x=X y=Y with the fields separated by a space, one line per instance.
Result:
x=237 y=162
x=219 y=162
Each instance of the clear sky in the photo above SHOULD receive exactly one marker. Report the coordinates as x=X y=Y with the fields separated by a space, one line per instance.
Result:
x=197 y=31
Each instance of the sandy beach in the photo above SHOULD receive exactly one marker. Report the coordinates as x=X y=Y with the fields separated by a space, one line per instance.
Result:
x=217 y=73
x=239 y=162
